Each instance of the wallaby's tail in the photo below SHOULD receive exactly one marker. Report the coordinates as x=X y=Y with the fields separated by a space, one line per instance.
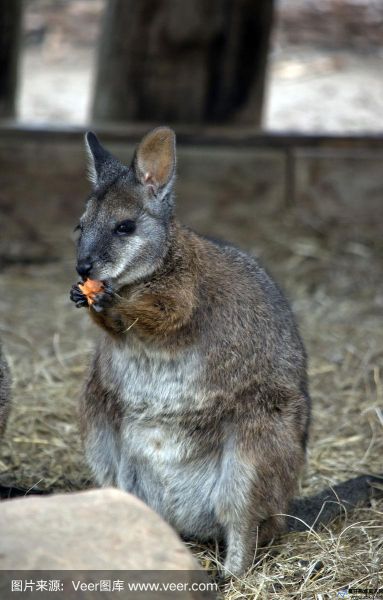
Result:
x=7 y=492
x=321 y=509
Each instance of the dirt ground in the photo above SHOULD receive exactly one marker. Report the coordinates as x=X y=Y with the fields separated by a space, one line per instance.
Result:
x=334 y=278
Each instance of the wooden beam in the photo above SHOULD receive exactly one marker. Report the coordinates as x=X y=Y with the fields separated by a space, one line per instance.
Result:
x=201 y=136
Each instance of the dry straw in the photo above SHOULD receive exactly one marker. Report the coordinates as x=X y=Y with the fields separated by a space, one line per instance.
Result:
x=337 y=291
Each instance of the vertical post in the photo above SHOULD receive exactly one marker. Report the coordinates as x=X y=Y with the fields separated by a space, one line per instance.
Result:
x=176 y=61
x=242 y=63
x=10 y=28
x=290 y=177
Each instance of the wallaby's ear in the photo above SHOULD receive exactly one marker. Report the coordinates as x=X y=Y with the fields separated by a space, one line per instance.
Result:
x=155 y=160
x=102 y=165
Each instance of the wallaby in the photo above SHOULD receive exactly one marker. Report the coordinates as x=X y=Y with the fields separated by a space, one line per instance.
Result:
x=5 y=392
x=5 y=405
x=197 y=398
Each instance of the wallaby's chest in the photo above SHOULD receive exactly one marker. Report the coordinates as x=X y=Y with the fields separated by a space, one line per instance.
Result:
x=153 y=385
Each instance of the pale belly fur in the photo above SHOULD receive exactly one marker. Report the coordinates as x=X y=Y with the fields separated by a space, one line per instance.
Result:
x=154 y=457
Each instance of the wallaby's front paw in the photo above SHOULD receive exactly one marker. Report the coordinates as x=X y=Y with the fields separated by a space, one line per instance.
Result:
x=77 y=296
x=103 y=299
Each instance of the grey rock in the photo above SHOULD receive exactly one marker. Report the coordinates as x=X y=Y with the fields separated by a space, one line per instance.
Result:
x=96 y=529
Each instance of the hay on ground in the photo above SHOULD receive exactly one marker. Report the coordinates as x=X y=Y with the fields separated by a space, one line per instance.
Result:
x=336 y=287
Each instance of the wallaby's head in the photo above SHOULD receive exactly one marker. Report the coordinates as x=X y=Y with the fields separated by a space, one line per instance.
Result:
x=124 y=229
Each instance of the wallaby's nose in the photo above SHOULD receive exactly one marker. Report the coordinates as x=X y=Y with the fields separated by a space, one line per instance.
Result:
x=84 y=267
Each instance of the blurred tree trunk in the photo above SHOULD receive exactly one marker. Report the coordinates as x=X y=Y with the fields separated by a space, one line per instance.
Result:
x=10 y=27
x=193 y=61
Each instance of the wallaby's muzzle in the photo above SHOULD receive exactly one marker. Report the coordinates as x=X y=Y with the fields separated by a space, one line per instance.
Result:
x=84 y=267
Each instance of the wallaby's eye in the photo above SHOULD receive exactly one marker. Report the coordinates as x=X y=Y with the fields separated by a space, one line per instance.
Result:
x=125 y=227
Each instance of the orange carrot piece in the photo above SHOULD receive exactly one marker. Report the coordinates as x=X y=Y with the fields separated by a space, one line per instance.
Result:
x=90 y=288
